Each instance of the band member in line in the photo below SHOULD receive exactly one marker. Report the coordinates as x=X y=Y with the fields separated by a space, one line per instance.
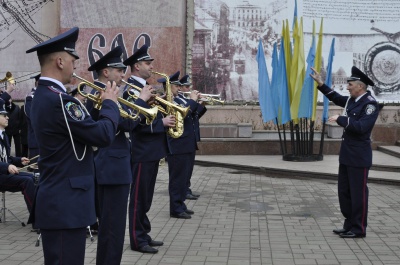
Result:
x=149 y=145
x=65 y=132
x=33 y=149
x=198 y=113
x=113 y=167
x=181 y=153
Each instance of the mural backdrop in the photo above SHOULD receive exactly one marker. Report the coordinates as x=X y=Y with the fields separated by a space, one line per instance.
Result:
x=227 y=33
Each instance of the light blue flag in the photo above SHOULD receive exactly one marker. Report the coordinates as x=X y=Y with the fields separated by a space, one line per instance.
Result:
x=284 y=104
x=274 y=79
x=328 y=80
x=307 y=93
x=294 y=13
x=264 y=87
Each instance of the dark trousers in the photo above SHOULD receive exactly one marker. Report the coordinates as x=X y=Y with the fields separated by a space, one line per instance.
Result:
x=353 y=197
x=17 y=143
x=179 y=168
x=113 y=202
x=64 y=246
x=141 y=197
x=192 y=158
x=23 y=182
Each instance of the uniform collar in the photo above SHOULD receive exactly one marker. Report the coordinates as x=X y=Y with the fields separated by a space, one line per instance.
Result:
x=100 y=84
x=54 y=81
x=358 y=98
x=139 y=79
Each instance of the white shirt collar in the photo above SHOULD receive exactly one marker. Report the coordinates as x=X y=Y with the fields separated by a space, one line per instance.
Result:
x=358 y=98
x=139 y=79
x=54 y=81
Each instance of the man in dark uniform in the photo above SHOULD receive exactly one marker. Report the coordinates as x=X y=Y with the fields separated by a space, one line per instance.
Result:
x=355 y=158
x=10 y=178
x=33 y=149
x=198 y=113
x=64 y=202
x=113 y=168
x=181 y=153
x=149 y=145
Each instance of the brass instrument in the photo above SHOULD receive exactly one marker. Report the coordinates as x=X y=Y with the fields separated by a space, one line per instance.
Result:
x=177 y=131
x=182 y=110
x=150 y=114
x=9 y=78
x=208 y=98
x=135 y=97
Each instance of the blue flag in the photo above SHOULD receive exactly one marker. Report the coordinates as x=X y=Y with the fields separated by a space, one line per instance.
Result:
x=328 y=80
x=284 y=104
x=307 y=93
x=294 y=13
x=274 y=79
x=264 y=87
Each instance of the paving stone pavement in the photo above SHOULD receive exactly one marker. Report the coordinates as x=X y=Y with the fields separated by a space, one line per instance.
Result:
x=243 y=218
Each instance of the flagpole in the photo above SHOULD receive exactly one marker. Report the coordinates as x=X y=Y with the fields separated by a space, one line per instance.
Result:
x=280 y=138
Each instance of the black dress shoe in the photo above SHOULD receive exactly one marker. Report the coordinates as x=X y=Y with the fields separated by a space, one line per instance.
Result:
x=147 y=249
x=181 y=215
x=189 y=211
x=340 y=231
x=195 y=195
x=154 y=243
x=350 y=234
x=191 y=197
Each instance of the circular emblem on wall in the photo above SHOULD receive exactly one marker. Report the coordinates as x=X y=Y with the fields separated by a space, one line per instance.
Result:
x=383 y=65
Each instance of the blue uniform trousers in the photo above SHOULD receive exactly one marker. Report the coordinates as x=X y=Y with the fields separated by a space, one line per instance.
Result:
x=59 y=244
x=179 y=168
x=23 y=182
x=353 y=197
x=192 y=158
x=141 y=197
x=113 y=202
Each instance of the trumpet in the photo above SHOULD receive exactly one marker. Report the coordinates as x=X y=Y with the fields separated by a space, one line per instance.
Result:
x=149 y=114
x=209 y=98
x=182 y=110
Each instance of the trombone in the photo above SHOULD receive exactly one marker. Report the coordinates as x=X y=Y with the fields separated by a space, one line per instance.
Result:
x=182 y=110
x=150 y=114
x=209 y=98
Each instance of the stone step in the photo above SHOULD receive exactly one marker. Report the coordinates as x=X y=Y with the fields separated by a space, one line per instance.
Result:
x=392 y=150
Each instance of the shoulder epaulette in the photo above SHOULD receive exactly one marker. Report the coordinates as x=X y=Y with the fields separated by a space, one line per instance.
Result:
x=371 y=98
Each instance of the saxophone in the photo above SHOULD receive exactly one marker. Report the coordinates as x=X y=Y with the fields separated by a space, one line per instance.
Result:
x=171 y=109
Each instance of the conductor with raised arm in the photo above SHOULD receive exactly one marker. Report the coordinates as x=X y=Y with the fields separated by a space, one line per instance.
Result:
x=65 y=132
x=355 y=158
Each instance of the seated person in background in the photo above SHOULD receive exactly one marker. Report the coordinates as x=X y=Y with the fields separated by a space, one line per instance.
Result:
x=10 y=178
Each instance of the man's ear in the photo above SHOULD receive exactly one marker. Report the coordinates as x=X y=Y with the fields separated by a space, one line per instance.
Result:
x=59 y=62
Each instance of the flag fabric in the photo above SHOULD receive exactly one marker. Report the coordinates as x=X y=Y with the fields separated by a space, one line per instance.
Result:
x=287 y=53
x=328 y=80
x=317 y=66
x=297 y=72
x=274 y=79
x=307 y=93
x=282 y=84
x=294 y=13
x=264 y=87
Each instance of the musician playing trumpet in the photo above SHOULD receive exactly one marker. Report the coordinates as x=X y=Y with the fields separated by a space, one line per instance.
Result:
x=149 y=145
x=197 y=114
x=113 y=167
